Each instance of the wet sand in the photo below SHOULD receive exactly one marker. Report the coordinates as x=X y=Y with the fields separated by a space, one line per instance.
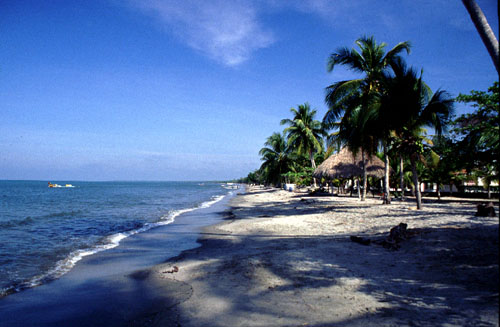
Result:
x=286 y=259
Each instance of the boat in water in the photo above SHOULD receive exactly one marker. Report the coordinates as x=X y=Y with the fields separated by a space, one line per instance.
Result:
x=58 y=186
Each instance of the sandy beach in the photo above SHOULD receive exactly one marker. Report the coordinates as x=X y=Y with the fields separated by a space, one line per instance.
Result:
x=286 y=259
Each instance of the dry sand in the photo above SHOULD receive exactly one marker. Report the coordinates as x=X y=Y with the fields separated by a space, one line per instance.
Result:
x=285 y=259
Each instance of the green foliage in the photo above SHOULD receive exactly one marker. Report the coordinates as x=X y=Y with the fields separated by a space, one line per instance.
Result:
x=354 y=104
x=284 y=163
x=254 y=177
x=276 y=159
x=304 y=133
x=391 y=107
x=303 y=177
x=372 y=61
x=478 y=132
x=441 y=162
x=408 y=105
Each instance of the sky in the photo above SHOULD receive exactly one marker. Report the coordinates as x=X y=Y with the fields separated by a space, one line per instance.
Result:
x=190 y=90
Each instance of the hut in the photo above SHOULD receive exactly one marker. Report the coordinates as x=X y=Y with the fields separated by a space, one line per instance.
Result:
x=345 y=165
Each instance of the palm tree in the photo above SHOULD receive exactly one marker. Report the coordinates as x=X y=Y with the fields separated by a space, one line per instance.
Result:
x=484 y=30
x=304 y=133
x=409 y=105
x=276 y=158
x=355 y=131
x=397 y=144
x=402 y=161
x=373 y=62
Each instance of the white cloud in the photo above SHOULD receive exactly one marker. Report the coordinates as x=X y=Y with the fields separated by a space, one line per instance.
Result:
x=227 y=31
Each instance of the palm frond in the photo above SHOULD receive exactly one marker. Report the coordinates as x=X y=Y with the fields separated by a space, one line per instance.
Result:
x=396 y=50
x=345 y=56
x=437 y=112
x=337 y=95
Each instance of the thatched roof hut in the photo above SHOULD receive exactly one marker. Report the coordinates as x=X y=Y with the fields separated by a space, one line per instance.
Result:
x=344 y=164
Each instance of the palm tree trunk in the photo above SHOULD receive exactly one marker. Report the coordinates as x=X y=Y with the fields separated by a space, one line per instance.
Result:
x=313 y=165
x=387 y=189
x=365 y=176
x=484 y=30
x=358 y=187
x=439 y=191
x=401 y=177
x=415 y=182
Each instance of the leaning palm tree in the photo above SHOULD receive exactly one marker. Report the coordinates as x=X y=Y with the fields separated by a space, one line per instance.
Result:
x=484 y=30
x=275 y=157
x=409 y=105
x=304 y=133
x=373 y=62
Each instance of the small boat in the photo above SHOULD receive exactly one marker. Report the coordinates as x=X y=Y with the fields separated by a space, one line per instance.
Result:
x=57 y=185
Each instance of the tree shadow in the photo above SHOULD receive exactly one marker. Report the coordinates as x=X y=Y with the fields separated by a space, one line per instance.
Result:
x=445 y=275
x=133 y=300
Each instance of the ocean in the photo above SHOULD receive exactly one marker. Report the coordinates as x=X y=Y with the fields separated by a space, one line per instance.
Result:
x=45 y=231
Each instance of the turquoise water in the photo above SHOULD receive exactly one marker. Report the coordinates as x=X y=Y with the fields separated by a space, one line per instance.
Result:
x=45 y=231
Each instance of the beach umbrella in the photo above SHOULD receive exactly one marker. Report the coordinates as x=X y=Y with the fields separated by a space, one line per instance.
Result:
x=345 y=165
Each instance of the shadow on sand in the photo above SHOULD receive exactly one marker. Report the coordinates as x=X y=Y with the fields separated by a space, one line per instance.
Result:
x=443 y=276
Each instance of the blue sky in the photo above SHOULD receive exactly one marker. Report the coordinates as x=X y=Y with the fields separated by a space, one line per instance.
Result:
x=190 y=90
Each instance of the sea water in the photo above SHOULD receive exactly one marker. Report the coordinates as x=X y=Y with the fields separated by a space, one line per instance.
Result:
x=45 y=231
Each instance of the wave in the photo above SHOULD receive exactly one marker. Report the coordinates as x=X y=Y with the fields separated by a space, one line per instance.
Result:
x=31 y=220
x=16 y=222
x=72 y=213
x=65 y=265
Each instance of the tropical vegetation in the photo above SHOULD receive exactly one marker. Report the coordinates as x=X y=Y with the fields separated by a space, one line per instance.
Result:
x=304 y=133
x=391 y=112
x=359 y=97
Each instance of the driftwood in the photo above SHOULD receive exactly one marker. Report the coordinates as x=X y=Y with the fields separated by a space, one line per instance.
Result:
x=485 y=210
x=397 y=234
x=171 y=271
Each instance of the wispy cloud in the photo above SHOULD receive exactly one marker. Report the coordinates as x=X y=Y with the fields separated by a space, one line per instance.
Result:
x=226 y=31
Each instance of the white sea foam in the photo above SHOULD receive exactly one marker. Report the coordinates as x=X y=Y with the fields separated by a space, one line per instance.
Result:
x=110 y=242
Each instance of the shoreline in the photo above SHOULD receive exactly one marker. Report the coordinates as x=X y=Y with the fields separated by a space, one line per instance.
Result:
x=46 y=231
x=285 y=259
x=109 y=242
x=112 y=287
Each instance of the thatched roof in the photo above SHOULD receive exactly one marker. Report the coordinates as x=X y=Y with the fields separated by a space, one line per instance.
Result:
x=344 y=164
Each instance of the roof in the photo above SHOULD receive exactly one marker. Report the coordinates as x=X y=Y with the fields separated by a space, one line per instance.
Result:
x=345 y=164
